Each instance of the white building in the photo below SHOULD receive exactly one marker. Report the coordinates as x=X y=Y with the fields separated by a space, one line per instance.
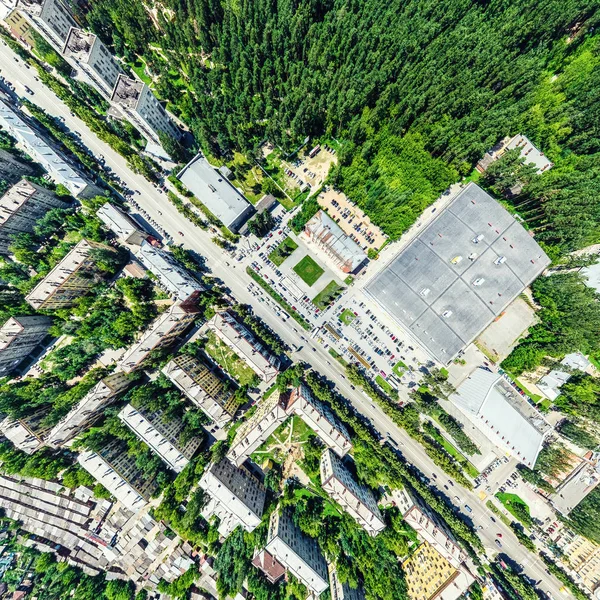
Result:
x=51 y=18
x=19 y=336
x=203 y=386
x=356 y=499
x=236 y=497
x=274 y=410
x=57 y=167
x=576 y=486
x=141 y=107
x=88 y=54
x=161 y=435
x=88 y=409
x=21 y=207
x=161 y=333
x=170 y=273
x=551 y=383
x=119 y=474
x=297 y=552
x=244 y=343
x=495 y=407
x=216 y=192
x=27 y=433
x=121 y=224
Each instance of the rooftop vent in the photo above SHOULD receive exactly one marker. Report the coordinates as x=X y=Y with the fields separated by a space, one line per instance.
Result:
x=500 y=260
x=425 y=292
x=479 y=281
x=447 y=314
x=477 y=239
x=456 y=259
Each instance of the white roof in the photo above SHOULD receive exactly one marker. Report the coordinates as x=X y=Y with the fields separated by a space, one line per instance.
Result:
x=118 y=221
x=216 y=192
x=503 y=414
x=530 y=153
x=551 y=383
x=592 y=274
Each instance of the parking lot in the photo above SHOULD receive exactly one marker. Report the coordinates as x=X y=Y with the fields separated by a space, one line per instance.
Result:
x=310 y=171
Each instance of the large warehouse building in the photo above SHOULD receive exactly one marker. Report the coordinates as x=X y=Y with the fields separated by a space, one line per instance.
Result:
x=459 y=274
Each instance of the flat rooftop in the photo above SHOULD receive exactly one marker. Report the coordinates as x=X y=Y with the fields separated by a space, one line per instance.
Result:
x=459 y=274
x=216 y=192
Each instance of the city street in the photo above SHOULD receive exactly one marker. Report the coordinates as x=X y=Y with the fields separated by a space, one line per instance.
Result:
x=233 y=274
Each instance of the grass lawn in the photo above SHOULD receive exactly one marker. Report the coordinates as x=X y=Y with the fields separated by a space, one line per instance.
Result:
x=457 y=454
x=327 y=295
x=400 y=368
x=516 y=507
x=534 y=397
x=308 y=270
x=347 y=317
x=223 y=356
x=383 y=384
x=283 y=251
x=338 y=357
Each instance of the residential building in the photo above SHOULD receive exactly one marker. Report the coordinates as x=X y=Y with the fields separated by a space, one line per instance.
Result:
x=576 y=486
x=19 y=337
x=163 y=332
x=355 y=499
x=203 y=386
x=528 y=151
x=117 y=471
x=161 y=435
x=297 y=552
x=70 y=279
x=88 y=54
x=142 y=108
x=171 y=275
x=216 y=192
x=51 y=18
x=458 y=274
x=244 y=343
x=327 y=236
x=428 y=526
x=429 y=576
x=21 y=207
x=551 y=383
x=26 y=433
x=491 y=402
x=121 y=224
x=236 y=497
x=88 y=409
x=271 y=568
x=581 y=558
x=34 y=143
x=20 y=26
x=276 y=409
x=13 y=168
x=342 y=591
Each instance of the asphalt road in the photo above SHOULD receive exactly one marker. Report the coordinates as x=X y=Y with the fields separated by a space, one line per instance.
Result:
x=153 y=200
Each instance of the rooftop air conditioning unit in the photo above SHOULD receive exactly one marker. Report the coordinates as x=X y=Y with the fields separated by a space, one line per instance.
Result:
x=456 y=259
x=500 y=260
x=479 y=281
x=447 y=314
x=478 y=238
x=473 y=256
x=425 y=292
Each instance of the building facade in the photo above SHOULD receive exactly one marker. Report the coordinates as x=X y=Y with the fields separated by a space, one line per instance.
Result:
x=161 y=435
x=51 y=18
x=70 y=279
x=163 y=332
x=93 y=58
x=88 y=409
x=244 y=343
x=357 y=500
x=297 y=552
x=236 y=497
x=342 y=591
x=27 y=433
x=203 y=387
x=12 y=168
x=21 y=207
x=19 y=336
x=117 y=471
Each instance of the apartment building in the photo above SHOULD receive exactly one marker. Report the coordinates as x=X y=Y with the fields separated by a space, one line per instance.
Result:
x=171 y=275
x=163 y=332
x=203 y=386
x=244 y=343
x=21 y=207
x=19 y=337
x=118 y=473
x=88 y=409
x=297 y=552
x=161 y=435
x=275 y=410
x=121 y=224
x=356 y=499
x=140 y=106
x=342 y=591
x=70 y=279
x=428 y=526
x=13 y=168
x=26 y=433
x=50 y=18
x=34 y=143
x=236 y=497
x=88 y=54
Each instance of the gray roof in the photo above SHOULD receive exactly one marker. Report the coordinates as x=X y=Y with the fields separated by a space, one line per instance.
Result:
x=216 y=192
x=428 y=279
